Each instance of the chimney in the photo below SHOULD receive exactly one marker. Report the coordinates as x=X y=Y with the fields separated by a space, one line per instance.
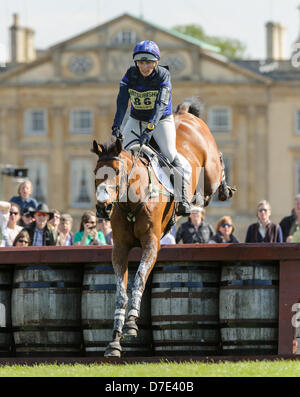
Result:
x=21 y=43
x=275 y=33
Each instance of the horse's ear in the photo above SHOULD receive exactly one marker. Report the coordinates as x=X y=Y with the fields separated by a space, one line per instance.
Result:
x=119 y=145
x=96 y=148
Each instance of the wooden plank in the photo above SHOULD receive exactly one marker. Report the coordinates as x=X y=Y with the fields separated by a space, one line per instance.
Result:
x=289 y=294
x=178 y=252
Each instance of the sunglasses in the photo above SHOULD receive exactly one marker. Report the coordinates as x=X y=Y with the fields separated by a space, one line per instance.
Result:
x=263 y=210
x=41 y=213
x=226 y=224
x=13 y=213
x=23 y=241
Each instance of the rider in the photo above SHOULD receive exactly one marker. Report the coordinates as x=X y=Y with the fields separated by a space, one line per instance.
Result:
x=148 y=86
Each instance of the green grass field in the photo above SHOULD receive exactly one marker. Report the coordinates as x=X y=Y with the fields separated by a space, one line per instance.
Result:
x=278 y=368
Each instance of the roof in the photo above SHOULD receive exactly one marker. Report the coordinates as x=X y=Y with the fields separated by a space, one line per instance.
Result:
x=282 y=70
x=172 y=32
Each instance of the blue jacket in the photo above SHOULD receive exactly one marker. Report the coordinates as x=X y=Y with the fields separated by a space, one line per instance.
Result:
x=150 y=96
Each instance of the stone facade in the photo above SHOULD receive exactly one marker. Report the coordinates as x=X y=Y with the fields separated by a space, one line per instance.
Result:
x=52 y=108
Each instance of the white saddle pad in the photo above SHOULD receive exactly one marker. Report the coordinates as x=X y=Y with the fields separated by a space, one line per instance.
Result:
x=163 y=173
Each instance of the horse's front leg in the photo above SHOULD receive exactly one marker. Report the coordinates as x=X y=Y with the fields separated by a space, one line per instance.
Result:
x=150 y=248
x=120 y=264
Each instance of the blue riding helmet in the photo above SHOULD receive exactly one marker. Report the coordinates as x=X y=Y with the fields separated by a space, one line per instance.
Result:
x=146 y=51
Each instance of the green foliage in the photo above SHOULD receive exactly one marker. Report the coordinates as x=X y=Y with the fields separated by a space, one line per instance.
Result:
x=231 y=48
x=276 y=368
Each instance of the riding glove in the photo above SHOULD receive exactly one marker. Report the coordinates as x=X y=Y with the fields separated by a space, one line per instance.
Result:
x=117 y=133
x=146 y=137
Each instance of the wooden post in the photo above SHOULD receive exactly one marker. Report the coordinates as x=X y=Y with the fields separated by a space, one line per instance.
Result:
x=289 y=294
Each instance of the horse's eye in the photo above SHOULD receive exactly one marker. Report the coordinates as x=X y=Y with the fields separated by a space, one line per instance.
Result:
x=117 y=172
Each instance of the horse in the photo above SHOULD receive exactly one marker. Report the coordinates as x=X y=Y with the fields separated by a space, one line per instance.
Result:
x=140 y=218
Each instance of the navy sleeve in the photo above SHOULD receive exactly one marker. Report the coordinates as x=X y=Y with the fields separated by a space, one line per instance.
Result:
x=122 y=102
x=160 y=104
x=178 y=235
x=279 y=235
x=247 y=239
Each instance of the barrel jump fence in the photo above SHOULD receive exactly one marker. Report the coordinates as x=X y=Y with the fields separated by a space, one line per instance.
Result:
x=202 y=302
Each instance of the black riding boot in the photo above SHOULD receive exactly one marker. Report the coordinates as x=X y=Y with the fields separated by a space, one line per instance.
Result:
x=180 y=193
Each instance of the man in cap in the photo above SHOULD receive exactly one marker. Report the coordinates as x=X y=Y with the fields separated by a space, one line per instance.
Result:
x=40 y=232
x=195 y=230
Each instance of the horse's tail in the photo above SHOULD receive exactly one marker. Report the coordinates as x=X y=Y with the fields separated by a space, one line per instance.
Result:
x=191 y=105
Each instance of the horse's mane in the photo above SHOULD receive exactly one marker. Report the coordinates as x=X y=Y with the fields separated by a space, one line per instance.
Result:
x=192 y=105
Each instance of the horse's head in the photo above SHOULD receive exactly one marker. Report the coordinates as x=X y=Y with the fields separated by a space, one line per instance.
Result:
x=109 y=174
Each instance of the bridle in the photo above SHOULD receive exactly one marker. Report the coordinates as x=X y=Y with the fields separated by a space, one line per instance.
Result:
x=123 y=206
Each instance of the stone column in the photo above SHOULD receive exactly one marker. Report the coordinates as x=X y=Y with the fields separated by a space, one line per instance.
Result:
x=58 y=174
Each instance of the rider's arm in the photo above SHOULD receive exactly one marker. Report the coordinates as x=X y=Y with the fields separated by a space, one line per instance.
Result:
x=163 y=100
x=122 y=102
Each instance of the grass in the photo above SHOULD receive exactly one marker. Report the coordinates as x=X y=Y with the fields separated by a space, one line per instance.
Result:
x=277 y=368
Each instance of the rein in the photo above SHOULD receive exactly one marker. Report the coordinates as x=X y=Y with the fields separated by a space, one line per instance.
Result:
x=128 y=213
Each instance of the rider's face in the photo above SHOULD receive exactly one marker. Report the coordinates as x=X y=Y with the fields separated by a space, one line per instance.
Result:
x=146 y=67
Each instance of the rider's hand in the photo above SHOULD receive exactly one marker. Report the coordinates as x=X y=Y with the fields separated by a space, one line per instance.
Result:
x=145 y=137
x=117 y=133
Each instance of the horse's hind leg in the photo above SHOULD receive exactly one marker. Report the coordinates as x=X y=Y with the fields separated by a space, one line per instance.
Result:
x=225 y=192
x=149 y=255
x=120 y=264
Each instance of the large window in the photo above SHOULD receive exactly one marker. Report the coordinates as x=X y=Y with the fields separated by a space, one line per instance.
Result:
x=126 y=37
x=38 y=174
x=36 y=122
x=297 y=122
x=297 y=177
x=81 y=121
x=219 y=119
x=81 y=183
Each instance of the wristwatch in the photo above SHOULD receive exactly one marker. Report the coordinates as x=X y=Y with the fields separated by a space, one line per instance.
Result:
x=150 y=126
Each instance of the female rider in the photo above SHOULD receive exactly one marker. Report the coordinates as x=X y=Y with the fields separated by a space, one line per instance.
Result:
x=148 y=86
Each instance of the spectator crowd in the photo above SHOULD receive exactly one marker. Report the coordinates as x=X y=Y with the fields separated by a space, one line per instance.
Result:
x=25 y=222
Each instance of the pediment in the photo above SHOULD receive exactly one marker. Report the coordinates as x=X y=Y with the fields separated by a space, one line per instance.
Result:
x=104 y=53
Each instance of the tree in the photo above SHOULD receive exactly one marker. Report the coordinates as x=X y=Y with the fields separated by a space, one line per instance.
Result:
x=231 y=48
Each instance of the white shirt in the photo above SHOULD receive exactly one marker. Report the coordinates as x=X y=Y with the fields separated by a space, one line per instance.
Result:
x=4 y=218
x=9 y=235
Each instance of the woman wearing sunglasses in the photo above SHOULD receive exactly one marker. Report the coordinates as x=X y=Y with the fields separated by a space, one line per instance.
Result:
x=264 y=231
x=225 y=229
x=22 y=239
x=12 y=229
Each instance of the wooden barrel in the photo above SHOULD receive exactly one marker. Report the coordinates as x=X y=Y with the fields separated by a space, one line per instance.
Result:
x=185 y=308
x=98 y=308
x=249 y=308
x=46 y=315
x=6 y=337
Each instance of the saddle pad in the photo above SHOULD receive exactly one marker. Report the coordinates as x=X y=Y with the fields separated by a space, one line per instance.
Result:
x=164 y=177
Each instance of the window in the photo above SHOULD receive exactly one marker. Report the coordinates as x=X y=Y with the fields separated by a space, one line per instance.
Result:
x=219 y=119
x=126 y=37
x=215 y=202
x=297 y=122
x=38 y=174
x=297 y=177
x=81 y=183
x=81 y=122
x=36 y=122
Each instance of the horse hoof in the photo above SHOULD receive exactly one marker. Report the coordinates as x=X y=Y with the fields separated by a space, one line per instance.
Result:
x=130 y=329
x=113 y=349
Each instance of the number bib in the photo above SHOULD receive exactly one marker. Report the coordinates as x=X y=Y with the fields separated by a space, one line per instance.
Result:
x=143 y=100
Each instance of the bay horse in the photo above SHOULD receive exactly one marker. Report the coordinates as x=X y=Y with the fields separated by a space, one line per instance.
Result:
x=139 y=219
